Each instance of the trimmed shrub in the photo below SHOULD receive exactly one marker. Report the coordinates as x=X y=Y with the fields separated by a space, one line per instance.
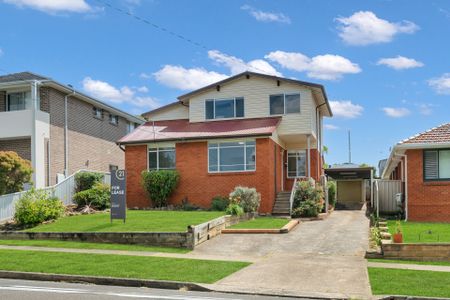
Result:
x=308 y=199
x=14 y=172
x=36 y=207
x=160 y=185
x=97 y=197
x=234 y=209
x=86 y=180
x=219 y=203
x=249 y=198
x=331 y=185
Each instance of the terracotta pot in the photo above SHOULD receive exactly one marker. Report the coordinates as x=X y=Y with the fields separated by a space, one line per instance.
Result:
x=398 y=238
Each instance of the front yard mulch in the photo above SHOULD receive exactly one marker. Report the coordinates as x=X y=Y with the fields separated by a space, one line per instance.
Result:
x=409 y=282
x=119 y=266
x=88 y=245
x=136 y=221
x=412 y=231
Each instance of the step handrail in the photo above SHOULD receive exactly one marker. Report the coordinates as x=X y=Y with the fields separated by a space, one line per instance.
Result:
x=291 y=198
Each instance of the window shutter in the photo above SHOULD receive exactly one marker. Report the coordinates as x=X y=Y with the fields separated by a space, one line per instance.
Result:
x=430 y=165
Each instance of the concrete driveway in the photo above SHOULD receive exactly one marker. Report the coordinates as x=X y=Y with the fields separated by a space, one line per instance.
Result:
x=316 y=259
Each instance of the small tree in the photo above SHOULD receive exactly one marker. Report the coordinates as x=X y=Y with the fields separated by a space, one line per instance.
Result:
x=160 y=185
x=14 y=172
x=86 y=180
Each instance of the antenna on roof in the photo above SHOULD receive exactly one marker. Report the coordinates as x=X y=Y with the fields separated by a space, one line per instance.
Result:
x=349 y=149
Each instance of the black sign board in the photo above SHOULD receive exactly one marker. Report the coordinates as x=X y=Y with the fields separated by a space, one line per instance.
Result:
x=118 y=195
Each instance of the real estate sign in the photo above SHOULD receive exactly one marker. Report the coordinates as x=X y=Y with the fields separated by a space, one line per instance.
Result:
x=118 y=195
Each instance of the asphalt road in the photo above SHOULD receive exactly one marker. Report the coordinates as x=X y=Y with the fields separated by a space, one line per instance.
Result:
x=40 y=290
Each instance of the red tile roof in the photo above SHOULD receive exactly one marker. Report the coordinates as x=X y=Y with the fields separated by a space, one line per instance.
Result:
x=440 y=134
x=184 y=130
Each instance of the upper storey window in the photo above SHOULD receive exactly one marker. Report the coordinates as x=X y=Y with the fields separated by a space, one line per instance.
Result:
x=18 y=101
x=224 y=108
x=282 y=104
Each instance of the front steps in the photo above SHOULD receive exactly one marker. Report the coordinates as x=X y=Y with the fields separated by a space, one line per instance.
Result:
x=282 y=206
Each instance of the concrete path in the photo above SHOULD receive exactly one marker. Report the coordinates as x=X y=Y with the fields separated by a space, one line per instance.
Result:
x=409 y=266
x=316 y=259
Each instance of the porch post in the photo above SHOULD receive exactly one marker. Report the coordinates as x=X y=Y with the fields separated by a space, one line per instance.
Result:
x=308 y=154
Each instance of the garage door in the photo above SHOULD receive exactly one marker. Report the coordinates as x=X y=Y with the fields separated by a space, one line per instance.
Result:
x=349 y=194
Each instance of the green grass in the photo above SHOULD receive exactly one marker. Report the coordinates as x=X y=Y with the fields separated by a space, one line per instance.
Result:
x=412 y=230
x=409 y=282
x=149 y=221
x=262 y=223
x=410 y=262
x=87 y=245
x=120 y=266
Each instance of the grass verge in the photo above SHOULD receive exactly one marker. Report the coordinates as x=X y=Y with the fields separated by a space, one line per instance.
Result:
x=409 y=282
x=262 y=223
x=417 y=232
x=147 y=221
x=119 y=266
x=410 y=262
x=87 y=245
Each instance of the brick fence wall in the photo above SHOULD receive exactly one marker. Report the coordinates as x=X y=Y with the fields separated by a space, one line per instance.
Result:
x=427 y=201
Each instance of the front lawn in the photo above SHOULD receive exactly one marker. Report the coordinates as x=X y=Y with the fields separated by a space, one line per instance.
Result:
x=120 y=266
x=409 y=282
x=410 y=262
x=137 y=220
x=417 y=232
x=87 y=245
x=262 y=223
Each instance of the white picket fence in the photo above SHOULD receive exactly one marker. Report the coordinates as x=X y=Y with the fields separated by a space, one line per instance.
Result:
x=63 y=190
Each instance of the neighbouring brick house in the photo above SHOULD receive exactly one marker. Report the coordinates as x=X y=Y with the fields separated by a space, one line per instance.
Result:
x=250 y=129
x=422 y=163
x=59 y=129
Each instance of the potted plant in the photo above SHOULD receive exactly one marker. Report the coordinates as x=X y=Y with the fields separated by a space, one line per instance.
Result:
x=398 y=235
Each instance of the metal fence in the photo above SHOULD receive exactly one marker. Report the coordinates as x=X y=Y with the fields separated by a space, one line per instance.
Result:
x=63 y=190
x=385 y=192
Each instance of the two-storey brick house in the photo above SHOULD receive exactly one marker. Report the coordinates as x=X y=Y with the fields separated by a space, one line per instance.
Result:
x=250 y=129
x=60 y=130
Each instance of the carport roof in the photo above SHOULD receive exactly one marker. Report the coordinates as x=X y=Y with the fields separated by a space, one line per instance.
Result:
x=346 y=172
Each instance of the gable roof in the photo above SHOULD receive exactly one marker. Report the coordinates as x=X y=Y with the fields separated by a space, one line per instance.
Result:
x=28 y=77
x=439 y=134
x=172 y=130
x=314 y=86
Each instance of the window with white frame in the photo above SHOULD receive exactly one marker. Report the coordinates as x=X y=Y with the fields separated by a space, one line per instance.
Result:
x=282 y=104
x=296 y=163
x=18 y=101
x=232 y=156
x=131 y=126
x=224 y=108
x=161 y=158
x=113 y=119
x=436 y=164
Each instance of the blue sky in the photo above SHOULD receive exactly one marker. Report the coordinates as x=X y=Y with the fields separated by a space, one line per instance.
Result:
x=385 y=64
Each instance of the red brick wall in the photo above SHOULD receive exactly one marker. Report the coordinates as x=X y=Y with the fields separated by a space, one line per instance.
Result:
x=427 y=201
x=196 y=184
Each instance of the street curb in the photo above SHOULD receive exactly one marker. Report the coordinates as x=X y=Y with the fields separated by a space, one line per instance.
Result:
x=128 y=282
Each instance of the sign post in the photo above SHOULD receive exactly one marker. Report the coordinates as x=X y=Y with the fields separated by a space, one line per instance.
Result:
x=118 y=195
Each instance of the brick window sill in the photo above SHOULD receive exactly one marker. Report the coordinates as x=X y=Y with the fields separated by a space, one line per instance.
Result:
x=436 y=183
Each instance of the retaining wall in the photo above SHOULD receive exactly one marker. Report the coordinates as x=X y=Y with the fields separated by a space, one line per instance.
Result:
x=418 y=252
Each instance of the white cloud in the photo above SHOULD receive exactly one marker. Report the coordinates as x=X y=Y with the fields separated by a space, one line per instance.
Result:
x=142 y=89
x=145 y=76
x=330 y=127
x=441 y=84
x=396 y=112
x=186 y=79
x=263 y=16
x=400 y=63
x=107 y=92
x=326 y=67
x=365 y=28
x=53 y=6
x=237 y=65
x=346 y=109
x=425 y=109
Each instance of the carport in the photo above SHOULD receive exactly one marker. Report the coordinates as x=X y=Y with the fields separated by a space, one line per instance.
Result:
x=353 y=185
